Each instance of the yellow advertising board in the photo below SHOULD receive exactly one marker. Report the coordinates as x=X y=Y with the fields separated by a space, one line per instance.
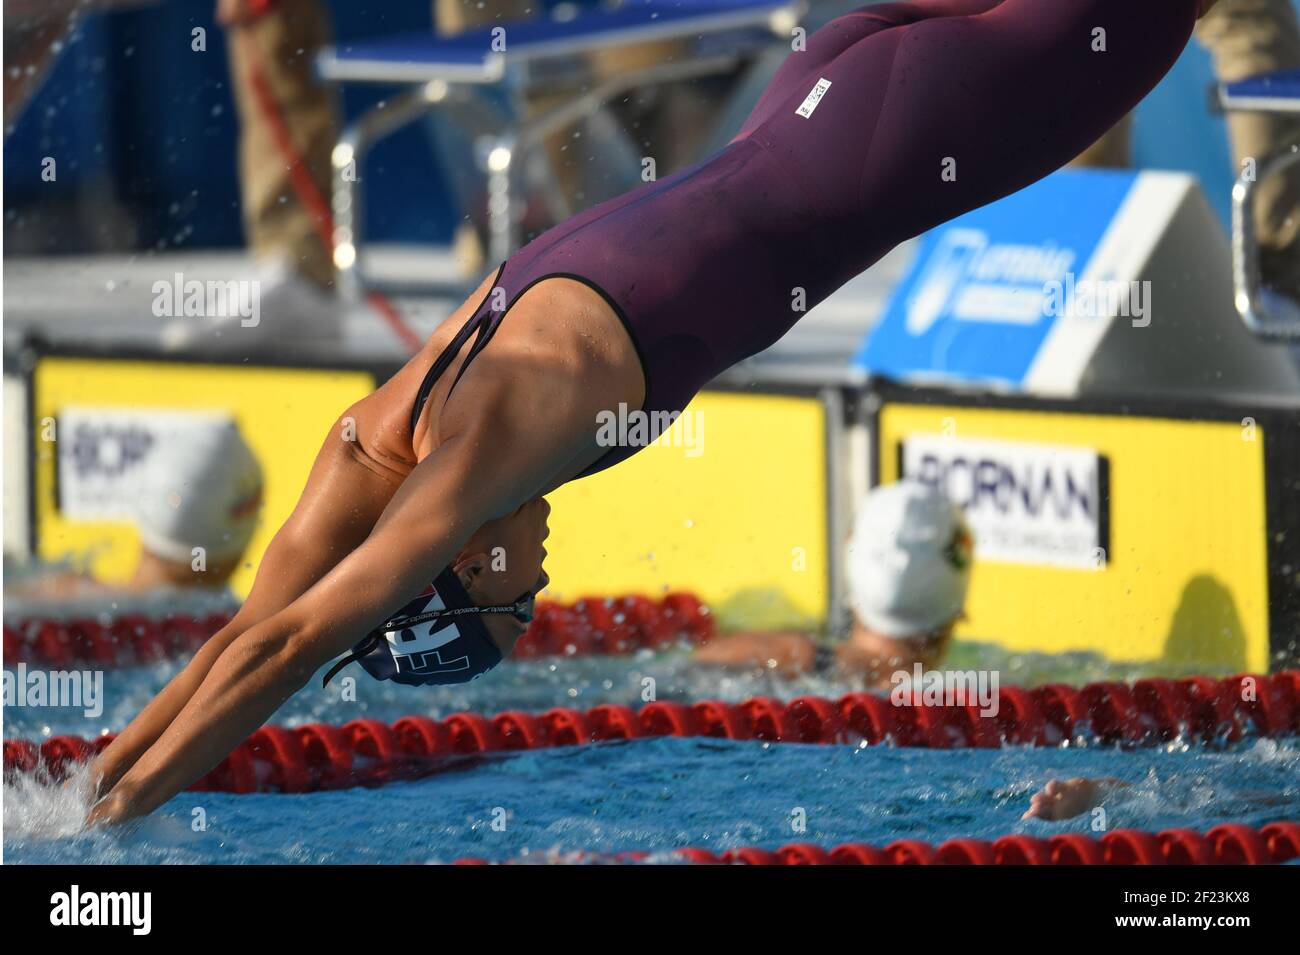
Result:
x=1181 y=571
x=282 y=413
x=731 y=504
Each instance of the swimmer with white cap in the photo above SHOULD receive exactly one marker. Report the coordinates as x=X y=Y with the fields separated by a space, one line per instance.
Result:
x=909 y=565
x=198 y=502
x=638 y=303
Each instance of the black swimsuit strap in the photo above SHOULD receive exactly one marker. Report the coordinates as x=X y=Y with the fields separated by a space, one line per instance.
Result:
x=475 y=324
x=483 y=323
x=361 y=649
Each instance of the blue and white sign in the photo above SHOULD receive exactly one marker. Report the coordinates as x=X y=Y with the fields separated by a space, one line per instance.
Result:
x=986 y=290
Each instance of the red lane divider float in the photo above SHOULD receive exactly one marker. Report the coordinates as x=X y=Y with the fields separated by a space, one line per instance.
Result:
x=589 y=626
x=1228 y=844
x=616 y=625
x=126 y=640
x=368 y=752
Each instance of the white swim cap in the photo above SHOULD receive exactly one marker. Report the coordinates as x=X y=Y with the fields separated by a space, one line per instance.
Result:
x=202 y=487
x=909 y=560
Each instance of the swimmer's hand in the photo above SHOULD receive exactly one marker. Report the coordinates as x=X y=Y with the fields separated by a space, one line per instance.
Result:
x=108 y=811
x=1064 y=799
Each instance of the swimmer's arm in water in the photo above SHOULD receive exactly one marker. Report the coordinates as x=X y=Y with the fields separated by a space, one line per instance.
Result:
x=60 y=585
x=788 y=653
x=491 y=466
x=349 y=485
x=791 y=654
x=1067 y=798
x=362 y=461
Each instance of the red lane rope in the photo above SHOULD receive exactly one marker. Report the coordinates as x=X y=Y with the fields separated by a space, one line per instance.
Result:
x=1227 y=844
x=589 y=626
x=367 y=752
x=612 y=625
x=124 y=641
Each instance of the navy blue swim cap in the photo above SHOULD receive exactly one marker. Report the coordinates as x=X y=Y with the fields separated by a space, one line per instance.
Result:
x=438 y=639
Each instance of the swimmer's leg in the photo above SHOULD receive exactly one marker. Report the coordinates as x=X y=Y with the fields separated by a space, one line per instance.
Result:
x=978 y=107
x=798 y=70
x=934 y=112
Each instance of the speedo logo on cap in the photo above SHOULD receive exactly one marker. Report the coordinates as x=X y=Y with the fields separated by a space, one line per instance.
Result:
x=813 y=98
x=960 y=549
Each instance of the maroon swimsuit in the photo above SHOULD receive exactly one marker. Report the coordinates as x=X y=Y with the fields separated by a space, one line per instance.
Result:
x=843 y=158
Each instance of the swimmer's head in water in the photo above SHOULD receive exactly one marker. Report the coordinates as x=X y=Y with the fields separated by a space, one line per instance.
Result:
x=909 y=562
x=454 y=631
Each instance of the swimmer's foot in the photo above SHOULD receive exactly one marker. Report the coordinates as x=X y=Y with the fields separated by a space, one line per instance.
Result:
x=1063 y=799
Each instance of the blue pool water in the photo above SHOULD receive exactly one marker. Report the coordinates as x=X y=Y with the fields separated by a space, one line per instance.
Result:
x=537 y=685
x=651 y=795
x=661 y=794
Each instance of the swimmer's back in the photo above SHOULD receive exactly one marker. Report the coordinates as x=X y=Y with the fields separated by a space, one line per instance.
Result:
x=844 y=157
x=561 y=337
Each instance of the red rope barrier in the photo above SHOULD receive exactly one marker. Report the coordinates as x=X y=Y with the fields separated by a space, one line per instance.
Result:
x=128 y=640
x=591 y=625
x=1227 y=844
x=368 y=752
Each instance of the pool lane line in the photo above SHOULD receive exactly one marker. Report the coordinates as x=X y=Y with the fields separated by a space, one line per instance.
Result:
x=367 y=752
x=1226 y=844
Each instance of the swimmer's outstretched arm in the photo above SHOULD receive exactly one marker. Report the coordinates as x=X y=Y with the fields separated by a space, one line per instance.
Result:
x=316 y=536
x=1067 y=798
x=354 y=476
x=490 y=464
x=788 y=653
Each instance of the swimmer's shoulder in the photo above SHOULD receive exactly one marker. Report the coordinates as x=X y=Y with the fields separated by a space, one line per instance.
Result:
x=558 y=348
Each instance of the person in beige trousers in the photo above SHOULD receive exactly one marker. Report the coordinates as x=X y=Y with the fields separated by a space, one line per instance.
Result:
x=1246 y=38
x=271 y=45
x=284 y=35
x=284 y=40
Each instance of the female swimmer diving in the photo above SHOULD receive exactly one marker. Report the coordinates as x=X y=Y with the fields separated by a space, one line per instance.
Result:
x=892 y=120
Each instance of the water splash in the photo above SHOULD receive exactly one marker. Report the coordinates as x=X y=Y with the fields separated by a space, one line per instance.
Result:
x=39 y=807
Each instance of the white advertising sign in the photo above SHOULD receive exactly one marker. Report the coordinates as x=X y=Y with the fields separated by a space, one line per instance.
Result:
x=1026 y=503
